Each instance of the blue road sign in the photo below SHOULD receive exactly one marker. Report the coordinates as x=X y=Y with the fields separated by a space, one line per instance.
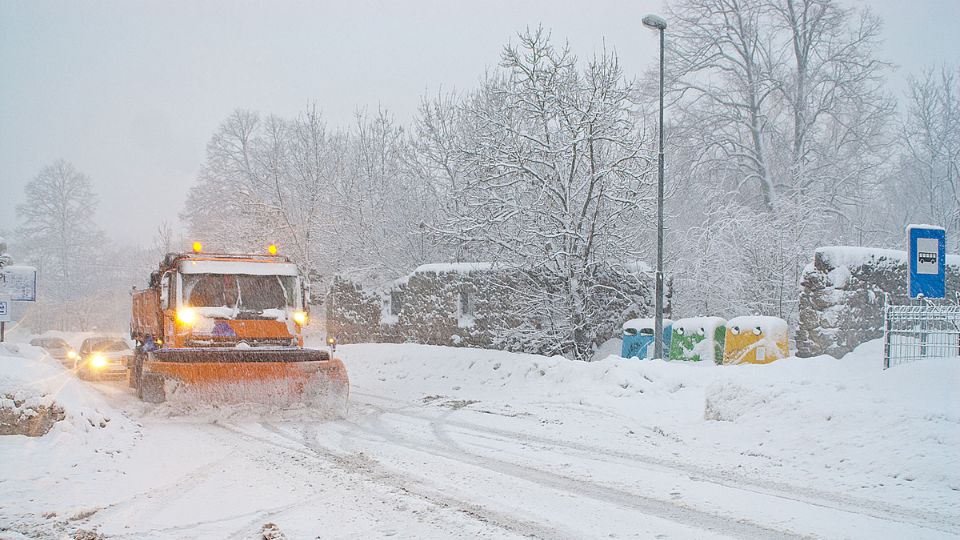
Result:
x=927 y=250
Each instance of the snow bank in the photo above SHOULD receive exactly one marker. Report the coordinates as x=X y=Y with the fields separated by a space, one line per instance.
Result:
x=838 y=425
x=32 y=382
x=53 y=483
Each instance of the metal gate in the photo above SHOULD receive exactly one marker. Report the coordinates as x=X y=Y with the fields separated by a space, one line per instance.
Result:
x=920 y=331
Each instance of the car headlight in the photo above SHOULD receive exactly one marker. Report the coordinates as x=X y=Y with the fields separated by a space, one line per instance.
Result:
x=72 y=355
x=98 y=361
x=301 y=318
x=186 y=316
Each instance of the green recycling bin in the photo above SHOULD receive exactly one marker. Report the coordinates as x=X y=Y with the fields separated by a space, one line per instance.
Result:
x=697 y=339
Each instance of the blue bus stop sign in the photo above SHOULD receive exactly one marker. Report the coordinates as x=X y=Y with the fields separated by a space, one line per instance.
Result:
x=927 y=249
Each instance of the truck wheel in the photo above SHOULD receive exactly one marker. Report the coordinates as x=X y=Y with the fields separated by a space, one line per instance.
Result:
x=151 y=388
x=138 y=377
x=133 y=370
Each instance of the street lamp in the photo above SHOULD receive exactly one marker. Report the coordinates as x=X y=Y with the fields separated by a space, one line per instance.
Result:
x=658 y=23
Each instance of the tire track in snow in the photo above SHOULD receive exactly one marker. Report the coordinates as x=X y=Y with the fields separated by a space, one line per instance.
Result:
x=671 y=511
x=834 y=501
x=360 y=465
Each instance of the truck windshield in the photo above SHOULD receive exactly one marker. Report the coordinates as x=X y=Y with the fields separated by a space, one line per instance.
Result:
x=246 y=293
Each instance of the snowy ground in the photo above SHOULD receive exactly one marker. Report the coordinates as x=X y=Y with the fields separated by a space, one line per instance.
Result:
x=442 y=443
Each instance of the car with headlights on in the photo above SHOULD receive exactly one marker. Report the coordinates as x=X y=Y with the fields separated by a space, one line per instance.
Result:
x=57 y=348
x=103 y=358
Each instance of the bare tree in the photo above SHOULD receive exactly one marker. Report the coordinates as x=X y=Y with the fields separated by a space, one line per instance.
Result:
x=59 y=235
x=832 y=85
x=722 y=72
x=928 y=178
x=554 y=173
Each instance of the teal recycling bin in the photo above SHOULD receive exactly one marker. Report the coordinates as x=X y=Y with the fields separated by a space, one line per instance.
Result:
x=638 y=338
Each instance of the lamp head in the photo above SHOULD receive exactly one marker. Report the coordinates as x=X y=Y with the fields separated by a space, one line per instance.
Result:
x=655 y=22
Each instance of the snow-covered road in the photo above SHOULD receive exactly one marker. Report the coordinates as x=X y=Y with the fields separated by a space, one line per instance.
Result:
x=442 y=443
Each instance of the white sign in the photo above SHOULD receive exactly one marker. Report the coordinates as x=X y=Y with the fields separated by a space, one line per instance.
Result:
x=927 y=252
x=20 y=282
x=4 y=309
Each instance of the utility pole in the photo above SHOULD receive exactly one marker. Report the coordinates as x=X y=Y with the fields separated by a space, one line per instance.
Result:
x=658 y=23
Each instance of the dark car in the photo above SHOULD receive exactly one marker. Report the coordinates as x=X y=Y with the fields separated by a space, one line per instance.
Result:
x=57 y=348
x=103 y=357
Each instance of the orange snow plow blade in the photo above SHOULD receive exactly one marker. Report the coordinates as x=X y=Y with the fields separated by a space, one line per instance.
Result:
x=231 y=374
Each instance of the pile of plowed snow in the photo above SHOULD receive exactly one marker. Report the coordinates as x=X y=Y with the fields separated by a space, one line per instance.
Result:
x=35 y=387
x=74 y=465
x=838 y=424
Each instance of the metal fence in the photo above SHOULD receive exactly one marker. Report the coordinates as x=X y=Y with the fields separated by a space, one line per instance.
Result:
x=920 y=331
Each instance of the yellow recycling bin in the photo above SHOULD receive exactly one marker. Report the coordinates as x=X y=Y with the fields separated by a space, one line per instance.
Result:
x=755 y=340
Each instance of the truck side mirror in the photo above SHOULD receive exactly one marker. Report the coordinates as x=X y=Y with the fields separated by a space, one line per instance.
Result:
x=165 y=292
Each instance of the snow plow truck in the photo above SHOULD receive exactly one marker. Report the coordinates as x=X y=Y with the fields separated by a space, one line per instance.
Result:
x=229 y=326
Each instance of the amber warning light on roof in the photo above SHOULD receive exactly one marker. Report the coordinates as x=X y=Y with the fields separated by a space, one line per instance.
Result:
x=197 y=247
x=272 y=249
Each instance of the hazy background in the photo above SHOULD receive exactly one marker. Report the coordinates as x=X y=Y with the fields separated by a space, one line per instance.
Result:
x=131 y=92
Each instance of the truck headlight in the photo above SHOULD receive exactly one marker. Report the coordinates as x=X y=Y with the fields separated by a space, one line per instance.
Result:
x=98 y=361
x=186 y=316
x=301 y=318
x=72 y=355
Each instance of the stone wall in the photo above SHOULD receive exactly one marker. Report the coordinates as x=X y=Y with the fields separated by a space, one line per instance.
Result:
x=431 y=310
x=842 y=294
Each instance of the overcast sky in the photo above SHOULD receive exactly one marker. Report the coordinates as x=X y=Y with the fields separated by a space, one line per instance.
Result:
x=130 y=92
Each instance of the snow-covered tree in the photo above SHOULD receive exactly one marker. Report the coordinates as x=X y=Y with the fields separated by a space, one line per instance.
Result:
x=780 y=139
x=552 y=178
x=336 y=201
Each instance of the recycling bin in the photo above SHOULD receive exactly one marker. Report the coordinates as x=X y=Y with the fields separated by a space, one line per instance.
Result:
x=755 y=340
x=697 y=339
x=638 y=337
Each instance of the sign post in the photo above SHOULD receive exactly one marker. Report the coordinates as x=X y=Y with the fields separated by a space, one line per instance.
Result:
x=4 y=315
x=927 y=249
x=17 y=284
x=20 y=282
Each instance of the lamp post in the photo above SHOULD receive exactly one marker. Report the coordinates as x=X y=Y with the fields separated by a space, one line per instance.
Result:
x=658 y=23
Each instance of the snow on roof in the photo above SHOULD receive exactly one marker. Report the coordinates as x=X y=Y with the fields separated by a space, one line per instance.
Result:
x=247 y=268
x=644 y=322
x=456 y=268
x=635 y=267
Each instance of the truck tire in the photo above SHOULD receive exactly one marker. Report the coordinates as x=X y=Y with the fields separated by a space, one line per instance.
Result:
x=133 y=370
x=151 y=388
x=137 y=376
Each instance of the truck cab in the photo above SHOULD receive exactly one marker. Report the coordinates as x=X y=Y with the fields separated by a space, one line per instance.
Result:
x=220 y=300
